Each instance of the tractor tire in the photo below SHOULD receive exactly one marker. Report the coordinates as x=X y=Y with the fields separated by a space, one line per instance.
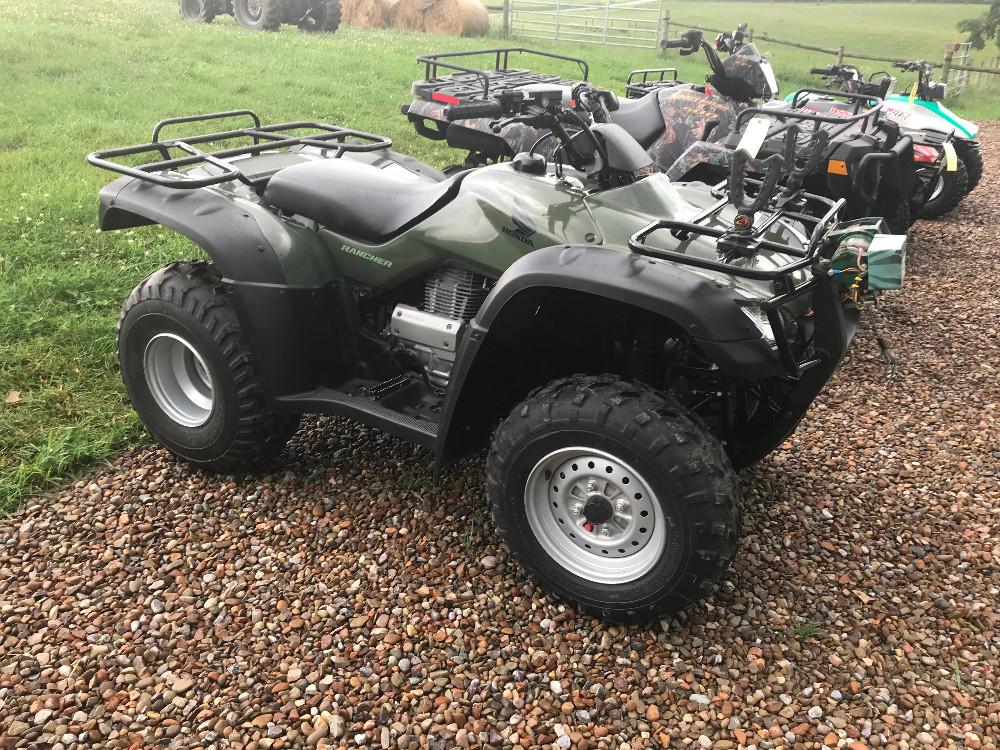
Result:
x=259 y=15
x=200 y=11
x=324 y=16
x=190 y=373
x=947 y=192
x=614 y=497
x=968 y=152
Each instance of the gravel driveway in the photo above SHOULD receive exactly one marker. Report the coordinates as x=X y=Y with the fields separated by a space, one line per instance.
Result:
x=346 y=601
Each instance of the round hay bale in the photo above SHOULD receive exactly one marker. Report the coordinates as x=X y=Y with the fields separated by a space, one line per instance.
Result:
x=369 y=14
x=408 y=14
x=457 y=18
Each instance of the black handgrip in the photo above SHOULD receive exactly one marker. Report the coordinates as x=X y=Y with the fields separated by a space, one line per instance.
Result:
x=675 y=43
x=821 y=71
x=473 y=110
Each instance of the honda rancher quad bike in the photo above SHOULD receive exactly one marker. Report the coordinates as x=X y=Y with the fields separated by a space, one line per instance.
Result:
x=690 y=131
x=937 y=131
x=618 y=343
x=267 y=15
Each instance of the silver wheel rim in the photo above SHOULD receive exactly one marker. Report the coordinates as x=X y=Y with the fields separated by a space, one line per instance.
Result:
x=255 y=9
x=595 y=515
x=178 y=379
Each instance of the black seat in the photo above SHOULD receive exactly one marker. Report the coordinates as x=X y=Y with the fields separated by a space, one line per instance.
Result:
x=357 y=199
x=642 y=118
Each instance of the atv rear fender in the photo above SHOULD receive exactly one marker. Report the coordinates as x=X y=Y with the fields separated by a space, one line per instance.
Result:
x=494 y=371
x=288 y=320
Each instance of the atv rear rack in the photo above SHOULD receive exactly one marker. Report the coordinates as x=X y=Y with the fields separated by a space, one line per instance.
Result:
x=264 y=138
x=475 y=83
x=782 y=276
x=637 y=89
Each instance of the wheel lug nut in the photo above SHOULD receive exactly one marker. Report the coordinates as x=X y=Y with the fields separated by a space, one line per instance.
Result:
x=591 y=486
x=620 y=506
x=576 y=510
x=605 y=531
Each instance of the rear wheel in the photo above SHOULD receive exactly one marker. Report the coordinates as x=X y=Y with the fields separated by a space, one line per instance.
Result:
x=947 y=193
x=190 y=374
x=324 y=15
x=614 y=497
x=969 y=153
x=201 y=11
x=259 y=15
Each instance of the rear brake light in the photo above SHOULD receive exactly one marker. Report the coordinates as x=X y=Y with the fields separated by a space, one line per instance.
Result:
x=925 y=154
x=444 y=98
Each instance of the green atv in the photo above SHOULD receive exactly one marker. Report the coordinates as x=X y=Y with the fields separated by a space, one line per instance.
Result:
x=267 y=15
x=620 y=344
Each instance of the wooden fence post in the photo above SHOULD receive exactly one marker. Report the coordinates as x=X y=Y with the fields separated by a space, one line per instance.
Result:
x=840 y=55
x=946 y=67
x=506 y=19
x=664 y=31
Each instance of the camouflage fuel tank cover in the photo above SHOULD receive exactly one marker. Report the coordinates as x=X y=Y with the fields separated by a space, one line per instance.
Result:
x=518 y=136
x=691 y=117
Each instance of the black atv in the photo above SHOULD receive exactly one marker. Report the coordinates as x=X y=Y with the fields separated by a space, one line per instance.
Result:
x=690 y=131
x=267 y=15
x=618 y=343
x=946 y=149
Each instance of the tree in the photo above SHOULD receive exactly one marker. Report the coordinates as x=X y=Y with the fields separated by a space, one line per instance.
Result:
x=985 y=28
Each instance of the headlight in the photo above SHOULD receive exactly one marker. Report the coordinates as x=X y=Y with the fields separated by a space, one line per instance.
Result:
x=759 y=318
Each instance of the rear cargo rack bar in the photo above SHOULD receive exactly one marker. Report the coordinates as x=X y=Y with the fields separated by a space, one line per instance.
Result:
x=634 y=90
x=866 y=108
x=264 y=138
x=501 y=63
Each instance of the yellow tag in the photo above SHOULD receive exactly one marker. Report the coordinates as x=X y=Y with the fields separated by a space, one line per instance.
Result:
x=950 y=157
x=836 y=166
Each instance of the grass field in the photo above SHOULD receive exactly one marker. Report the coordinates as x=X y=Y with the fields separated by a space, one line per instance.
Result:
x=897 y=30
x=88 y=74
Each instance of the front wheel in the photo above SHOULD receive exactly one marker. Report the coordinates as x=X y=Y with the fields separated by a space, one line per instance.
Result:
x=190 y=373
x=614 y=497
x=969 y=153
x=947 y=193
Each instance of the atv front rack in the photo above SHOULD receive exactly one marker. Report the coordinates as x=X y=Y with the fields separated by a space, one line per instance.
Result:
x=475 y=83
x=166 y=171
x=782 y=276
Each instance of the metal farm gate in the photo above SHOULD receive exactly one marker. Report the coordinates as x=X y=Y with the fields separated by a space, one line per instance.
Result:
x=622 y=23
x=959 y=79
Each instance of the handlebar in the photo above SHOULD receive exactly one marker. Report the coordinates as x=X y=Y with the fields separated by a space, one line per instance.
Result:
x=914 y=66
x=827 y=71
x=474 y=110
x=674 y=43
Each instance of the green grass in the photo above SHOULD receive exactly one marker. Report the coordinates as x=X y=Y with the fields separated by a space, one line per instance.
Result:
x=806 y=630
x=92 y=73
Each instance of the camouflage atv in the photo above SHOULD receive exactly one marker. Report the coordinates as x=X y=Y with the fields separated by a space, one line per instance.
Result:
x=618 y=345
x=690 y=131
